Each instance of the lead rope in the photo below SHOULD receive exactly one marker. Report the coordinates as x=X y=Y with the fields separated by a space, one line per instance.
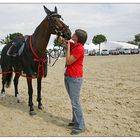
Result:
x=50 y=56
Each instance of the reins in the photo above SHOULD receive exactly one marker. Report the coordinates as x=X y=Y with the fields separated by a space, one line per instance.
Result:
x=51 y=56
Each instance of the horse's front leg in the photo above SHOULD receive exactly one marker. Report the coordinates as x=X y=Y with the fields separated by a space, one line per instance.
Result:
x=16 y=87
x=39 y=93
x=30 y=93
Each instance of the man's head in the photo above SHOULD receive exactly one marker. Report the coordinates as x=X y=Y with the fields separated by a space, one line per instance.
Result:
x=80 y=36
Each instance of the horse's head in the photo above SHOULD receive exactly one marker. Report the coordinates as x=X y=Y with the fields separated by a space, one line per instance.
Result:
x=56 y=25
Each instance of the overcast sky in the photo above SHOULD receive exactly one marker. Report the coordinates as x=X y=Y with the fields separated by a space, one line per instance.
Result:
x=118 y=22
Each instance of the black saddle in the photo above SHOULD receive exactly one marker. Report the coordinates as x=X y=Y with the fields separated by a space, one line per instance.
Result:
x=17 y=46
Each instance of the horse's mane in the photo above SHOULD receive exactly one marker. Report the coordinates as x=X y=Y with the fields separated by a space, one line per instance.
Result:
x=39 y=29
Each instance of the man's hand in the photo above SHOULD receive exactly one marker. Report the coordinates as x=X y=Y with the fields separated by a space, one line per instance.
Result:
x=65 y=42
x=68 y=44
x=62 y=39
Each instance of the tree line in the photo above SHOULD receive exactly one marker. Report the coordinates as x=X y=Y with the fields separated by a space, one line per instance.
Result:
x=10 y=38
x=97 y=39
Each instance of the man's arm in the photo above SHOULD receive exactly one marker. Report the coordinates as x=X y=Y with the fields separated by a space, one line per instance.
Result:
x=69 y=58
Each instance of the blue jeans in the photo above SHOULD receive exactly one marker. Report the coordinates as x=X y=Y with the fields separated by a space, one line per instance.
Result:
x=73 y=87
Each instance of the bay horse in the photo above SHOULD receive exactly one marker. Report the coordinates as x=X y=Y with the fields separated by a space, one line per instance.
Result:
x=33 y=57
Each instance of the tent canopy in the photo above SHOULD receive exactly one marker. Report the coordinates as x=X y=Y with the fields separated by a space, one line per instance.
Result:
x=110 y=45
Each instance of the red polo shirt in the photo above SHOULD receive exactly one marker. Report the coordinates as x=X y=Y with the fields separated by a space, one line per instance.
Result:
x=75 y=70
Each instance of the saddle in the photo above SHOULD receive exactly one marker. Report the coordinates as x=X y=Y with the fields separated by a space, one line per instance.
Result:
x=17 y=46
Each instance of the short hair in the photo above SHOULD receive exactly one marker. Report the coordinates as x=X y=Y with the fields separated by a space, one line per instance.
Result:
x=81 y=35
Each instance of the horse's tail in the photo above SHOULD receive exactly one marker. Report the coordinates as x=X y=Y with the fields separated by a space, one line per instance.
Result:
x=8 y=79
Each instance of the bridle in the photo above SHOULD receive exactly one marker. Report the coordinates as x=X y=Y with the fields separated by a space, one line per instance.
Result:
x=59 y=32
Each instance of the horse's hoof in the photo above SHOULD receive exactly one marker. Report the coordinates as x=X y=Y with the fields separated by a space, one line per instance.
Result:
x=18 y=98
x=40 y=107
x=3 y=95
x=18 y=101
x=32 y=113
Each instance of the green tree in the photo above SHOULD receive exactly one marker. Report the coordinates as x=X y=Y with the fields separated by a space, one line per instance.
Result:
x=6 y=40
x=136 y=40
x=132 y=42
x=98 y=39
x=58 y=42
x=10 y=38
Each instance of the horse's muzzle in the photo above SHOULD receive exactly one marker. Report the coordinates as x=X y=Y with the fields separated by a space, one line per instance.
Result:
x=67 y=35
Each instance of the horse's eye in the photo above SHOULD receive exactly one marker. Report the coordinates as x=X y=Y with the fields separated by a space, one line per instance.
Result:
x=55 y=19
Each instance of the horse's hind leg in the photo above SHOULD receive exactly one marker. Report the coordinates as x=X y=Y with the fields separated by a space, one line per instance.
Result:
x=3 y=85
x=39 y=93
x=16 y=87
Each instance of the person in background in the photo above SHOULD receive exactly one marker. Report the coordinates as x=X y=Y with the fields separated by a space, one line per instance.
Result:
x=73 y=77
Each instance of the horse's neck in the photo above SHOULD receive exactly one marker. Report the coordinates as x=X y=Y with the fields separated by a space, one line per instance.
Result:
x=41 y=37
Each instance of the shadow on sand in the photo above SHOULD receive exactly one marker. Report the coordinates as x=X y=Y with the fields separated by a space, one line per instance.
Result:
x=10 y=102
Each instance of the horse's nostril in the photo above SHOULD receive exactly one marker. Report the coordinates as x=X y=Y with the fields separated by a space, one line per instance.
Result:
x=68 y=34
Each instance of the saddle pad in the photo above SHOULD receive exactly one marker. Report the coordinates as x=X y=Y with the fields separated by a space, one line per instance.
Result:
x=17 y=47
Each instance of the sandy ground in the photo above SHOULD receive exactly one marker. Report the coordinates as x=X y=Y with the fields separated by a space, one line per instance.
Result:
x=110 y=98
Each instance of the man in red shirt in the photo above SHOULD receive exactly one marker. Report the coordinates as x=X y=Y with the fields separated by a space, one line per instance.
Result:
x=74 y=77
x=75 y=69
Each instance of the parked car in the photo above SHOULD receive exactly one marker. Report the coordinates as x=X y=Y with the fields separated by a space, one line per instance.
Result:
x=127 y=51
x=121 y=51
x=134 y=51
x=92 y=53
x=114 y=52
x=110 y=51
x=104 y=52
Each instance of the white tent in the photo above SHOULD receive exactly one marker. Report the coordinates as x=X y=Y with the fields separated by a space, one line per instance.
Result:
x=109 y=45
x=89 y=47
x=125 y=45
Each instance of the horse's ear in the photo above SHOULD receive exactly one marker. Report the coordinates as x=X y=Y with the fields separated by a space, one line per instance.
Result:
x=48 y=12
x=55 y=9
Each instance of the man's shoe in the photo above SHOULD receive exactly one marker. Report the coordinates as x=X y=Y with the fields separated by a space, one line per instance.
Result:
x=76 y=132
x=71 y=124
